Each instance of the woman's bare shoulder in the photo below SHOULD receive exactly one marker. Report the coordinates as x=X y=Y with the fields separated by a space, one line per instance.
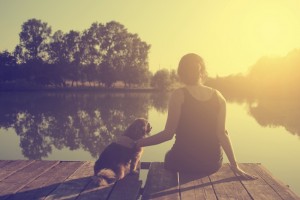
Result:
x=221 y=98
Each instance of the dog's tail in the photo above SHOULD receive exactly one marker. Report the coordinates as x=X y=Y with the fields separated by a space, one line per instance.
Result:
x=106 y=177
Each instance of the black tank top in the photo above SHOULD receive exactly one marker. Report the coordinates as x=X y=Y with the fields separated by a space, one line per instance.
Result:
x=196 y=141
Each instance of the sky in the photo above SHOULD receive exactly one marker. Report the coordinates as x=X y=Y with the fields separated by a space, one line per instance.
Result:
x=230 y=35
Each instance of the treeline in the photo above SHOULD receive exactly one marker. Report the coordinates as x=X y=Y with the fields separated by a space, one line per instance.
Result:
x=101 y=55
x=270 y=77
x=164 y=79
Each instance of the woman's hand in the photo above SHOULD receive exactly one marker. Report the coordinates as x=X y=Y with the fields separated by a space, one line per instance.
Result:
x=125 y=141
x=237 y=170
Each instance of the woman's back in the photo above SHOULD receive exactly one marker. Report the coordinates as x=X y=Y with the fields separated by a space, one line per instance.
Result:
x=196 y=147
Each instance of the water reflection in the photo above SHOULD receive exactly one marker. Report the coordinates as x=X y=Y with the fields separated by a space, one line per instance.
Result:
x=271 y=111
x=90 y=121
x=275 y=113
x=74 y=120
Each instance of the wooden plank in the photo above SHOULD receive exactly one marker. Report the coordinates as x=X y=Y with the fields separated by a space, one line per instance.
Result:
x=16 y=164
x=160 y=183
x=282 y=190
x=47 y=182
x=145 y=165
x=195 y=186
x=258 y=188
x=13 y=166
x=4 y=162
x=72 y=180
x=127 y=188
x=19 y=179
x=74 y=184
x=227 y=186
x=92 y=191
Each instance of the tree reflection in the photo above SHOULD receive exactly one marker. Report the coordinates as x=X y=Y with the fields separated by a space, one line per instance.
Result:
x=160 y=101
x=70 y=120
x=90 y=121
x=274 y=113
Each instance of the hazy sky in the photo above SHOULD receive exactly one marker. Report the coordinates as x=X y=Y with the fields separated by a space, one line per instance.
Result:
x=229 y=34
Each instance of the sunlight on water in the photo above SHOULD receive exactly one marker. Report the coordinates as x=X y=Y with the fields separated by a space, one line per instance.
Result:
x=9 y=148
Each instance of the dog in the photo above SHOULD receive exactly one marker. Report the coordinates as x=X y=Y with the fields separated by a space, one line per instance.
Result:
x=117 y=161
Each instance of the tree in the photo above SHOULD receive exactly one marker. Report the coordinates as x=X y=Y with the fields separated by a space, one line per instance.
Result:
x=73 y=58
x=173 y=76
x=113 y=46
x=91 y=42
x=7 y=66
x=136 y=69
x=161 y=79
x=91 y=51
x=7 y=59
x=104 y=53
x=57 y=49
x=64 y=55
x=33 y=39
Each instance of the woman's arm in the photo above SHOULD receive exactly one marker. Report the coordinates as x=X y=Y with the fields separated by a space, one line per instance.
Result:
x=222 y=134
x=174 y=109
x=225 y=142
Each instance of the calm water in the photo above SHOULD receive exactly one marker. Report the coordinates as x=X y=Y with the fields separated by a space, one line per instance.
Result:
x=77 y=126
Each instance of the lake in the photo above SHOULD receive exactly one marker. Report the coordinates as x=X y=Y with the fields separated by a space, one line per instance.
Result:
x=78 y=126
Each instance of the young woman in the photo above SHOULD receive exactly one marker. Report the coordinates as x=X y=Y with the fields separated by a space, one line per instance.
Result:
x=196 y=115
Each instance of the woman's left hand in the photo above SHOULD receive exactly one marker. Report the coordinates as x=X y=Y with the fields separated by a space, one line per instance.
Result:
x=236 y=169
x=125 y=141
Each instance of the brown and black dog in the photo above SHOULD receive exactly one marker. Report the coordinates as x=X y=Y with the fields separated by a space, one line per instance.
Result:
x=116 y=161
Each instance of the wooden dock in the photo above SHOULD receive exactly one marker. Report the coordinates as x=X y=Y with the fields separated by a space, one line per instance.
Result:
x=30 y=179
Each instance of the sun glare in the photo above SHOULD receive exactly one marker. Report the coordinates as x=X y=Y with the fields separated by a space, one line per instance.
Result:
x=271 y=30
x=269 y=33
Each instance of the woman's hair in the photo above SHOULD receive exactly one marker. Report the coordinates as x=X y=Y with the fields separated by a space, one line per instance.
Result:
x=191 y=68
